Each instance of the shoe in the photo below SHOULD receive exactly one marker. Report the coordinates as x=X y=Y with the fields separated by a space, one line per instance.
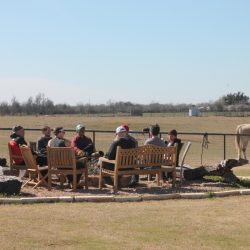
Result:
x=97 y=154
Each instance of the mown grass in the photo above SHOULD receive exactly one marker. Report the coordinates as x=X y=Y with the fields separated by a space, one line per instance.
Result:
x=174 y=224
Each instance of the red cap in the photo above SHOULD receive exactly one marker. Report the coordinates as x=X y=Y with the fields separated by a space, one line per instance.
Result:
x=126 y=127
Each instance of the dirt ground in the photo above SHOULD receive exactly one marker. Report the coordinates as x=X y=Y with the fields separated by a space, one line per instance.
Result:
x=144 y=188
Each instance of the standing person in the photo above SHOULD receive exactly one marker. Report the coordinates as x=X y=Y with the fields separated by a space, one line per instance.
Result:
x=82 y=144
x=17 y=139
x=154 y=131
x=41 y=146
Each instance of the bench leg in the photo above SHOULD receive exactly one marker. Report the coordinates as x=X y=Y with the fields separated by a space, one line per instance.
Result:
x=86 y=178
x=174 y=178
x=115 y=183
x=100 y=179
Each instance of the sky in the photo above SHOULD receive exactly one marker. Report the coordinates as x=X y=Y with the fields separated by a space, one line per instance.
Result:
x=141 y=51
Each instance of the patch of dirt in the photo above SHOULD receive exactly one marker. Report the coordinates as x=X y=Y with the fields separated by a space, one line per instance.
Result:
x=144 y=188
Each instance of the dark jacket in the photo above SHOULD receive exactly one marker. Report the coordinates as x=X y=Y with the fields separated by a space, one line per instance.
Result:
x=179 y=146
x=126 y=142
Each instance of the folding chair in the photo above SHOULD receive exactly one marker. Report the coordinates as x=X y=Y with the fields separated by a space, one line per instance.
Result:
x=181 y=163
x=62 y=161
x=32 y=145
x=35 y=177
x=12 y=160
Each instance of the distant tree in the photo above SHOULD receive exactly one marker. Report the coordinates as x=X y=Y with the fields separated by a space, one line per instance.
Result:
x=236 y=98
x=15 y=107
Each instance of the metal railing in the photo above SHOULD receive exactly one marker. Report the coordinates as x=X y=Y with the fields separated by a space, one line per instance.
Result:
x=207 y=148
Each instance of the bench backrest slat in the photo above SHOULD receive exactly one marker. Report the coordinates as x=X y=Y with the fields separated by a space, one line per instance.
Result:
x=145 y=156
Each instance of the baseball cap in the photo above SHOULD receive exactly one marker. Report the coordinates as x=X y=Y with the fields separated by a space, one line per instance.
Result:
x=79 y=127
x=16 y=128
x=120 y=129
x=126 y=127
x=57 y=130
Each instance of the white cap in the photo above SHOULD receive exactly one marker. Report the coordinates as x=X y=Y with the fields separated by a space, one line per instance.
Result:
x=79 y=126
x=120 y=129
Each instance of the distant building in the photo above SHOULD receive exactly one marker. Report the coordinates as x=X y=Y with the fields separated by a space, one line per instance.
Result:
x=193 y=111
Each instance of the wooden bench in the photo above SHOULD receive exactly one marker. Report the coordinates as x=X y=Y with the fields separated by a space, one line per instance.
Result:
x=139 y=161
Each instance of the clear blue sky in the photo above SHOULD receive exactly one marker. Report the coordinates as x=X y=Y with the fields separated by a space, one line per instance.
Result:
x=80 y=51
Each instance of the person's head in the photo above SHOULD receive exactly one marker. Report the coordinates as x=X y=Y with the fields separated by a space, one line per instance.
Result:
x=59 y=132
x=80 y=129
x=121 y=132
x=18 y=130
x=46 y=131
x=154 y=129
x=172 y=134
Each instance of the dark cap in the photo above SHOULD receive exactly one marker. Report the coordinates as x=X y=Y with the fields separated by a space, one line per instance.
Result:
x=16 y=128
x=172 y=132
x=57 y=130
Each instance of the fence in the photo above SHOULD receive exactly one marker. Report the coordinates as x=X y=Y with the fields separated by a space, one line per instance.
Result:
x=206 y=149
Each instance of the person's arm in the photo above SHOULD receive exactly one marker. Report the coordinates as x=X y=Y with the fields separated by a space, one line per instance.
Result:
x=74 y=145
x=41 y=147
x=67 y=143
x=111 y=154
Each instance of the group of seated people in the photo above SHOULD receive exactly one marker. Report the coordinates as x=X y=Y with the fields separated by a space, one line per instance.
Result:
x=83 y=145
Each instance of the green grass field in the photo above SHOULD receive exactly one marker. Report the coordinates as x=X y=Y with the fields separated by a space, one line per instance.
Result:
x=174 y=224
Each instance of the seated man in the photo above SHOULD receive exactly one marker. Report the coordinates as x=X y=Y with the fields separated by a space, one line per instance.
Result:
x=60 y=141
x=82 y=145
x=154 y=139
x=17 y=139
x=41 y=146
x=174 y=140
x=123 y=141
x=129 y=135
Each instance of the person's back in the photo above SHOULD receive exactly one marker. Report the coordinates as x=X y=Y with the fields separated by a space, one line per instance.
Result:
x=123 y=142
x=154 y=139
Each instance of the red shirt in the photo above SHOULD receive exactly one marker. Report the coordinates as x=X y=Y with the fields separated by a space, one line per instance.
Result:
x=16 y=151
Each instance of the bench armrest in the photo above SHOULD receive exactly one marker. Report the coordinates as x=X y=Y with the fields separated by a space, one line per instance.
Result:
x=103 y=159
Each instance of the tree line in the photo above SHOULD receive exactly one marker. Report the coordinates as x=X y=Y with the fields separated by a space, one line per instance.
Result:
x=41 y=105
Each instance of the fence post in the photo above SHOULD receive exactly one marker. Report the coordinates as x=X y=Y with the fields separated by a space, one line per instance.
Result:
x=94 y=137
x=224 y=146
